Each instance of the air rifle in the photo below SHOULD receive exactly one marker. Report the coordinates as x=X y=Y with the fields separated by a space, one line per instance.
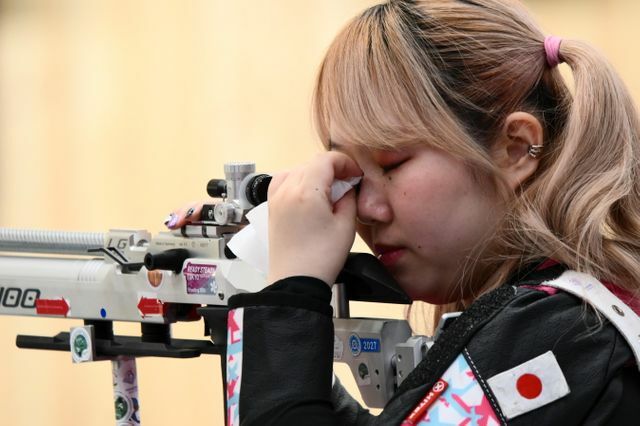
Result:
x=184 y=275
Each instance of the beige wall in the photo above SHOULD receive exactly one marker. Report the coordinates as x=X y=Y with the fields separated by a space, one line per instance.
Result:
x=113 y=112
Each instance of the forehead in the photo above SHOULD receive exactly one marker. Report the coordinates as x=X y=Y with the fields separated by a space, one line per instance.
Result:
x=348 y=138
x=359 y=152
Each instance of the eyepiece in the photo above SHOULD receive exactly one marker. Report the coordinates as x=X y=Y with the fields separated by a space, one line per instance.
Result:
x=257 y=188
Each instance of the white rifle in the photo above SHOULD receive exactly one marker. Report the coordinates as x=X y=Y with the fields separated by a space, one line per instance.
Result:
x=183 y=275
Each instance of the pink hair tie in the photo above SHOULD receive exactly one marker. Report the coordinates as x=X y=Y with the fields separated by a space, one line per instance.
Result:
x=552 y=49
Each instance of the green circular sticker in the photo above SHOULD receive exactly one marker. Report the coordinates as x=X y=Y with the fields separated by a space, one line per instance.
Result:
x=121 y=406
x=80 y=345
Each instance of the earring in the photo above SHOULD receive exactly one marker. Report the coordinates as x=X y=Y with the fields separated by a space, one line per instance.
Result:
x=535 y=150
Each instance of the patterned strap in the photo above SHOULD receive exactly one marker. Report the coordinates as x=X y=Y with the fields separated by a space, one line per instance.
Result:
x=454 y=338
x=597 y=295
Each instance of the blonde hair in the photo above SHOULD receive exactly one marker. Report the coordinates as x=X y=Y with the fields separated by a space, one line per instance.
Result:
x=448 y=73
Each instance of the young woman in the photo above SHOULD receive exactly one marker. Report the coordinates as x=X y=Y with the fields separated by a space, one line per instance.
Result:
x=486 y=187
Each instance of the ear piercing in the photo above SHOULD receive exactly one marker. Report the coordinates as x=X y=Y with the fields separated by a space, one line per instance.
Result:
x=535 y=150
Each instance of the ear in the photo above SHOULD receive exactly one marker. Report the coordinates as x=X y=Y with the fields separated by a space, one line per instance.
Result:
x=510 y=151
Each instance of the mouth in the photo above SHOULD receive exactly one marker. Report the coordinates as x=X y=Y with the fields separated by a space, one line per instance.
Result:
x=388 y=255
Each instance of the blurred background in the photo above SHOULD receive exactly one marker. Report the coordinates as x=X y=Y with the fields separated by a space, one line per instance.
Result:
x=113 y=113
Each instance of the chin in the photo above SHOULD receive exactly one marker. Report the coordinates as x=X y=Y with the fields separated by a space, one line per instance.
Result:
x=427 y=283
x=435 y=297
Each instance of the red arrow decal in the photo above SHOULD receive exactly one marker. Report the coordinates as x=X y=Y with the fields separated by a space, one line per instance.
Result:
x=148 y=307
x=52 y=307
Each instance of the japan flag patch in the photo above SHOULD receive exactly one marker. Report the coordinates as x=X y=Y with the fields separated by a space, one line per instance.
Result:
x=528 y=386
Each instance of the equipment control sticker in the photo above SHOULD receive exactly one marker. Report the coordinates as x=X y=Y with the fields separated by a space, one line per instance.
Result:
x=354 y=345
x=200 y=278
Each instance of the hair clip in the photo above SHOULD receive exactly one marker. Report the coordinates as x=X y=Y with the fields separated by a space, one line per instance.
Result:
x=535 y=150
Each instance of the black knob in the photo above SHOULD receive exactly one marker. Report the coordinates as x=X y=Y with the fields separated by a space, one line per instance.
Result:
x=170 y=260
x=217 y=188
x=257 y=188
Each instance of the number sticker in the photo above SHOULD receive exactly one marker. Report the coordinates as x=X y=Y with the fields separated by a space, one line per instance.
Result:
x=370 y=345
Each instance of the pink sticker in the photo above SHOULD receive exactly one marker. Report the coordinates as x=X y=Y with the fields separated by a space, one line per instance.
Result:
x=200 y=278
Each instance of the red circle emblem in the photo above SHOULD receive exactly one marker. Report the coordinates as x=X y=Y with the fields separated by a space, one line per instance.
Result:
x=529 y=386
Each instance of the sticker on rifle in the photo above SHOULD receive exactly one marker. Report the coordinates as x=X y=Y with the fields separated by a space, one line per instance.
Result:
x=363 y=375
x=370 y=345
x=338 y=348
x=81 y=342
x=155 y=278
x=150 y=306
x=200 y=278
x=123 y=406
x=354 y=345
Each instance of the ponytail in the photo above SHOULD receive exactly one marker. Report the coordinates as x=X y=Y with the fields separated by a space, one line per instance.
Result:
x=589 y=190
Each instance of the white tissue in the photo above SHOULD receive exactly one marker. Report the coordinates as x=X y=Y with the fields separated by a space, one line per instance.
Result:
x=251 y=244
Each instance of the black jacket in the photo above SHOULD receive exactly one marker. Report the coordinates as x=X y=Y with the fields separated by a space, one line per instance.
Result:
x=281 y=352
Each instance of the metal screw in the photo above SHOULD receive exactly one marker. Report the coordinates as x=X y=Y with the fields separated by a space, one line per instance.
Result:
x=617 y=310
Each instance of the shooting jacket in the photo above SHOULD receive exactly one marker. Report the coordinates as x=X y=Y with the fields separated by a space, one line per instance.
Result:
x=523 y=354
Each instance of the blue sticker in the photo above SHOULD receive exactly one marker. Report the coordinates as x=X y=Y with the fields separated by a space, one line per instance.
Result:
x=358 y=345
x=370 y=345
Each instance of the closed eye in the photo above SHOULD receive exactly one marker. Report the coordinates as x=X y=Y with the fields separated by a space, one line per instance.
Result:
x=386 y=168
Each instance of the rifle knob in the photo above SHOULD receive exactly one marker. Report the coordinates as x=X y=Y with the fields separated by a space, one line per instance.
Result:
x=170 y=260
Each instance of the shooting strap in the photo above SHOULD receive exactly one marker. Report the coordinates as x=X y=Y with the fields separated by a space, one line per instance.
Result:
x=454 y=338
x=598 y=296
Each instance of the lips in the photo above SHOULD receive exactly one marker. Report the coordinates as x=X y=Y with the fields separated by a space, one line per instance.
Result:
x=388 y=255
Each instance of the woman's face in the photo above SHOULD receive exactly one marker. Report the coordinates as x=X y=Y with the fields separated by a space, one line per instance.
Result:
x=422 y=213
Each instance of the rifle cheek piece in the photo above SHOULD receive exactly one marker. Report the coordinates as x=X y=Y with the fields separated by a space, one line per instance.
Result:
x=170 y=260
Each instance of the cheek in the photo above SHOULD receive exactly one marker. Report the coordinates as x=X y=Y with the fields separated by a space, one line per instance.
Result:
x=439 y=208
x=423 y=199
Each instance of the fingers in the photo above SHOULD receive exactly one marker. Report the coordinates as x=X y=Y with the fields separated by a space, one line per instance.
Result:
x=344 y=167
x=312 y=179
x=183 y=216
x=331 y=166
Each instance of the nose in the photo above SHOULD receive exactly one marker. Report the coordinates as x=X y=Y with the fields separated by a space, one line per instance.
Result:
x=373 y=202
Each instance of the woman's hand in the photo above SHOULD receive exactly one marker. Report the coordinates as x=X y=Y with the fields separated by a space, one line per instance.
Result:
x=308 y=234
x=183 y=216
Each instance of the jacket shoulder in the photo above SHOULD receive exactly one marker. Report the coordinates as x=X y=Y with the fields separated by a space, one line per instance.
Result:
x=555 y=337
